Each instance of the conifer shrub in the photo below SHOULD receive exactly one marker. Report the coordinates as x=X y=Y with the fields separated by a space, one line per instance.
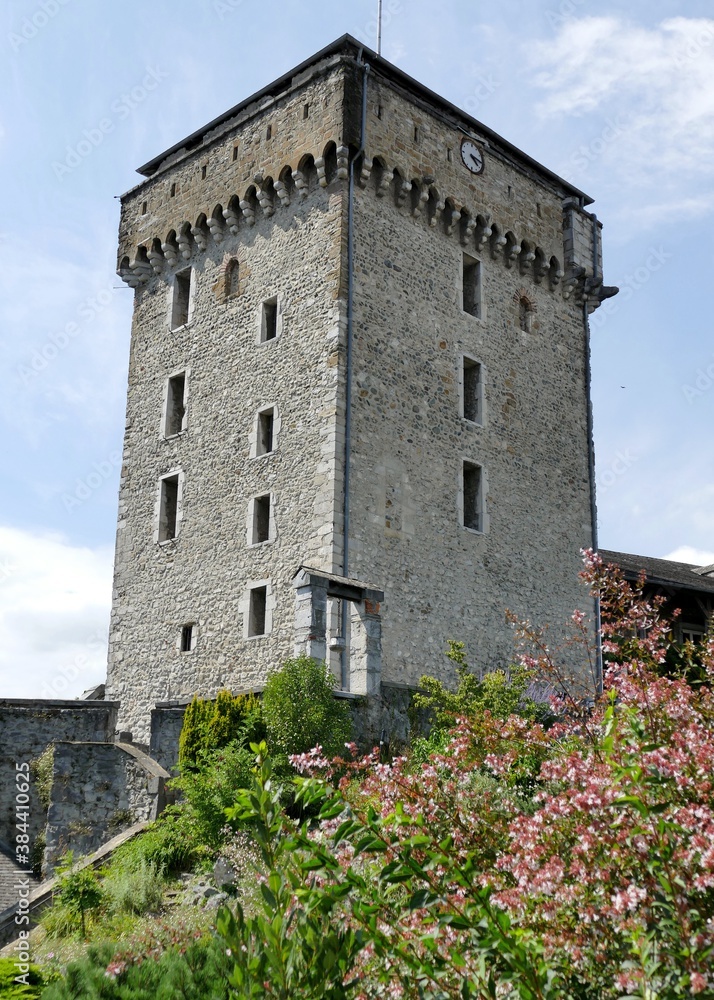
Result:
x=195 y=971
x=300 y=710
x=210 y=725
x=10 y=989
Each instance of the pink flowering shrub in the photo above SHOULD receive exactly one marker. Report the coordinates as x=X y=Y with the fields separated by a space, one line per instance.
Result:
x=523 y=861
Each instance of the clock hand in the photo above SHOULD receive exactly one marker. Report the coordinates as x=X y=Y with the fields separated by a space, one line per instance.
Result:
x=476 y=160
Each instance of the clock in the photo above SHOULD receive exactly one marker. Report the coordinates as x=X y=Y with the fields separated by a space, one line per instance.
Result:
x=471 y=156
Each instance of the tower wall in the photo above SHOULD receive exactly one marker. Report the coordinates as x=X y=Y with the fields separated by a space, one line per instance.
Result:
x=409 y=439
x=291 y=248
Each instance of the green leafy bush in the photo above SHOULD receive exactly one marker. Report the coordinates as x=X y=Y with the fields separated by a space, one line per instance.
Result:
x=135 y=890
x=171 y=844
x=10 y=989
x=197 y=972
x=300 y=710
x=210 y=786
x=502 y=693
x=78 y=893
x=210 y=725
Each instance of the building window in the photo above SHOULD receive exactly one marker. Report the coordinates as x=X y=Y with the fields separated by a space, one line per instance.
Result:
x=168 y=508
x=269 y=320
x=472 y=492
x=471 y=391
x=175 y=420
x=691 y=633
x=266 y=431
x=305 y=111
x=188 y=638
x=181 y=299
x=471 y=285
x=257 y=611
x=173 y=190
x=261 y=519
x=235 y=153
x=525 y=314
x=232 y=279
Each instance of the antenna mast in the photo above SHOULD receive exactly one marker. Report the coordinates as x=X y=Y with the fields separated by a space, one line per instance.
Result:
x=379 y=27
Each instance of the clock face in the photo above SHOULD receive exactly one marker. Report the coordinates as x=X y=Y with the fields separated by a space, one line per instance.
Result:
x=471 y=156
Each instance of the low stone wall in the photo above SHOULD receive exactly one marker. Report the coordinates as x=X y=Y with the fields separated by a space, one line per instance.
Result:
x=98 y=791
x=384 y=719
x=166 y=723
x=27 y=727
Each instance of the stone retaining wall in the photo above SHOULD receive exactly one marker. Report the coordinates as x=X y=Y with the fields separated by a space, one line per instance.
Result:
x=99 y=790
x=27 y=727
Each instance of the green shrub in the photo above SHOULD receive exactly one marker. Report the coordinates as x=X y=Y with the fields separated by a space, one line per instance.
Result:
x=200 y=972
x=41 y=773
x=78 y=891
x=170 y=845
x=135 y=890
x=210 y=725
x=210 y=786
x=10 y=989
x=301 y=711
x=502 y=693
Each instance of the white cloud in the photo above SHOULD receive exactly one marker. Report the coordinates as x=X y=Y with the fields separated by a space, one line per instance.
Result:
x=654 y=87
x=54 y=614
x=687 y=554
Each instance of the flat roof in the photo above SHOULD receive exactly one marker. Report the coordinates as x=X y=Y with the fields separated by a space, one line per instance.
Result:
x=350 y=45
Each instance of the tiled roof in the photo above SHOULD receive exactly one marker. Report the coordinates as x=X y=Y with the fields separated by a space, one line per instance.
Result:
x=663 y=571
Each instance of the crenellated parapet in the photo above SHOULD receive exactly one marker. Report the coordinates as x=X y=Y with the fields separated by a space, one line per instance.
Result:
x=575 y=271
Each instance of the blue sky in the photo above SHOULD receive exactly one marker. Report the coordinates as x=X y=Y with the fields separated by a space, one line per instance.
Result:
x=618 y=98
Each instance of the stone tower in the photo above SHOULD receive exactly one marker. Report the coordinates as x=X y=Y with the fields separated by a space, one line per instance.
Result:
x=358 y=405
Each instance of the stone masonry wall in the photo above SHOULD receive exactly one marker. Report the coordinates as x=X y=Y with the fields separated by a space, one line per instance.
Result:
x=27 y=727
x=441 y=580
x=98 y=791
x=204 y=575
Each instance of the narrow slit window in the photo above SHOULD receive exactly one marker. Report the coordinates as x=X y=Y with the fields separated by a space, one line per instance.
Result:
x=173 y=190
x=256 y=611
x=144 y=208
x=168 y=509
x=269 y=132
x=232 y=284
x=306 y=110
x=175 y=405
x=471 y=285
x=266 y=428
x=472 y=492
x=269 y=324
x=204 y=170
x=261 y=519
x=235 y=153
x=472 y=391
x=187 y=637
x=182 y=298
